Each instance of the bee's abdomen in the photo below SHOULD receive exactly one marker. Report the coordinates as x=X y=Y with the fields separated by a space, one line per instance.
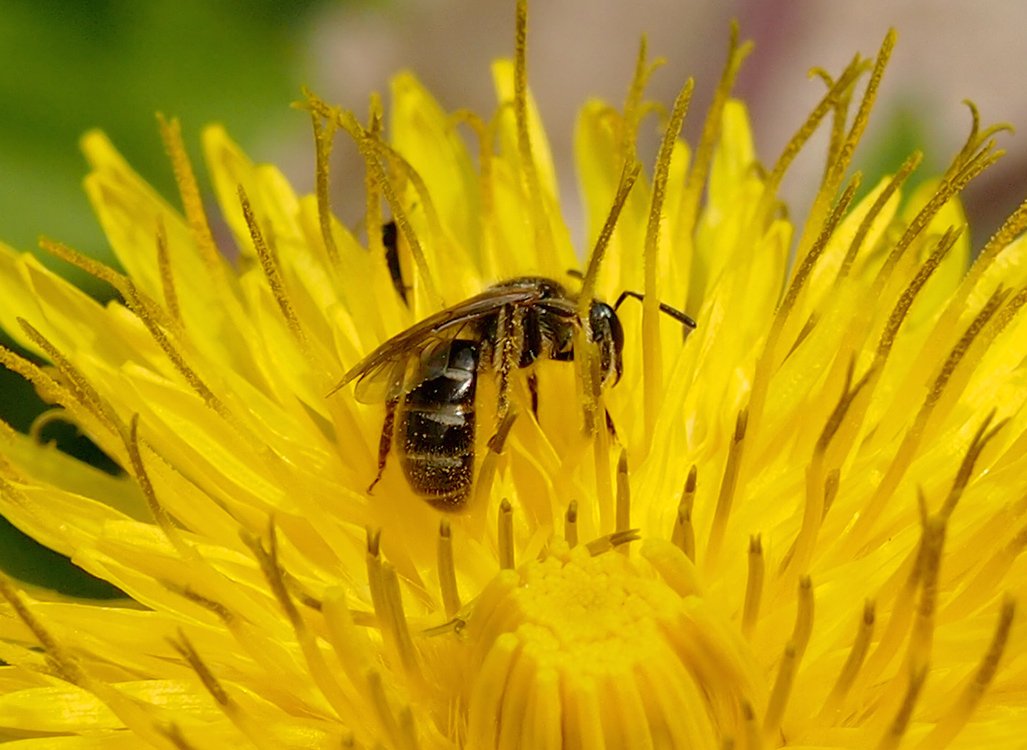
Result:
x=436 y=425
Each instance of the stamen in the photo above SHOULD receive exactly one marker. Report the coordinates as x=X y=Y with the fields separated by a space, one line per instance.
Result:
x=893 y=736
x=623 y=493
x=490 y=463
x=805 y=132
x=505 y=535
x=80 y=388
x=753 y=586
x=382 y=598
x=217 y=691
x=820 y=489
x=727 y=489
x=896 y=182
x=167 y=276
x=588 y=365
x=372 y=189
x=520 y=103
x=767 y=358
x=1011 y=228
x=44 y=420
x=955 y=718
x=803 y=617
x=911 y=441
x=652 y=367
x=173 y=733
x=135 y=717
x=905 y=301
x=570 y=524
x=492 y=265
x=683 y=534
x=976 y=591
x=608 y=542
x=853 y=663
x=398 y=622
x=407 y=729
x=189 y=191
x=380 y=701
x=324 y=137
x=447 y=570
x=142 y=477
x=780 y=692
x=633 y=109
x=950 y=187
x=124 y=285
x=902 y=611
x=698 y=174
x=588 y=281
x=980 y=440
x=273 y=274
x=177 y=360
x=922 y=637
x=372 y=149
x=65 y=665
x=351 y=643
x=840 y=161
x=753 y=736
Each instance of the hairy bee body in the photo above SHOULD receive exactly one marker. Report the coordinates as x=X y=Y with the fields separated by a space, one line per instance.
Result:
x=427 y=375
x=436 y=428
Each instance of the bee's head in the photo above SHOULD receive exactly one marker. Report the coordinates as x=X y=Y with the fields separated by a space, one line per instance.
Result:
x=608 y=335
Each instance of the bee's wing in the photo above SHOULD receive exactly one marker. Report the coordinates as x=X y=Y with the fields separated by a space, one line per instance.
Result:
x=393 y=368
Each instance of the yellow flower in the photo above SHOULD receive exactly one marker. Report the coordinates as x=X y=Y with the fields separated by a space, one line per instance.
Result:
x=805 y=528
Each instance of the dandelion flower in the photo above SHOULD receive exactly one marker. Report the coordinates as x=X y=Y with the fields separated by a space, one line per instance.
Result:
x=805 y=528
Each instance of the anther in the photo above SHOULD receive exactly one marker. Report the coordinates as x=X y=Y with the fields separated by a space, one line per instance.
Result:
x=189 y=191
x=683 y=535
x=490 y=463
x=753 y=737
x=570 y=524
x=213 y=686
x=611 y=541
x=447 y=570
x=505 y=537
x=803 y=616
x=623 y=493
x=893 y=735
x=273 y=273
x=955 y=719
x=854 y=661
x=781 y=690
x=753 y=585
x=727 y=487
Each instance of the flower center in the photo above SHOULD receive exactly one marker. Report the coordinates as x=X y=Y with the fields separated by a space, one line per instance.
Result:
x=583 y=651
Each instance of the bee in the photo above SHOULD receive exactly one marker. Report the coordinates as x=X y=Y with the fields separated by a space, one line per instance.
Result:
x=427 y=375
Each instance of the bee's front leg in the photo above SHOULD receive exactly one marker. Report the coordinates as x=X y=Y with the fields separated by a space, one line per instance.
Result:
x=385 y=441
x=510 y=338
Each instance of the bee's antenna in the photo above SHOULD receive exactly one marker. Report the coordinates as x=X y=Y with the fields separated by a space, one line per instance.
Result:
x=664 y=308
x=574 y=273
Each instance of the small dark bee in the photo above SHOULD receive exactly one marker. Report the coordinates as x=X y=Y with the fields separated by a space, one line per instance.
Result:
x=427 y=375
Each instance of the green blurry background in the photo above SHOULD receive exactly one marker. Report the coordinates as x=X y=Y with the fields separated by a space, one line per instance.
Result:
x=67 y=67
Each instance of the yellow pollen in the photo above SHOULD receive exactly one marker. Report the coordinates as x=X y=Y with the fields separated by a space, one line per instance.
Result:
x=592 y=648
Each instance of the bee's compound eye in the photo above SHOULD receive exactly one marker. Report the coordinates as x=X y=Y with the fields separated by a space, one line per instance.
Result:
x=608 y=335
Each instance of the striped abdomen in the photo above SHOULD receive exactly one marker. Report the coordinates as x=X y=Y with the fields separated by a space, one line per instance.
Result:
x=436 y=427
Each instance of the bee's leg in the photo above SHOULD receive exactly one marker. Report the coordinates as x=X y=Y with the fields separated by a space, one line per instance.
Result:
x=609 y=426
x=510 y=335
x=385 y=441
x=533 y=390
